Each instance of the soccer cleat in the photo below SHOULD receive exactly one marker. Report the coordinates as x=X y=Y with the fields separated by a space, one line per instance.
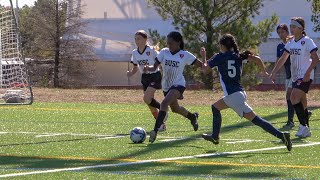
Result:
x=289 y=125
x=163 y=127
x=208 y=137
x=153 y=136
x=286 y=140
x=195 y=122
x=303 y=132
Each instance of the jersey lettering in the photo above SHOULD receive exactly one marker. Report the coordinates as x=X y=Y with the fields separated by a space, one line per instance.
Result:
x=295 y=51
x=143 y=62
x=172 y=63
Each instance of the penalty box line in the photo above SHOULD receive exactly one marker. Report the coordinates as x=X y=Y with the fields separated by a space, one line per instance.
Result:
x=152 y=161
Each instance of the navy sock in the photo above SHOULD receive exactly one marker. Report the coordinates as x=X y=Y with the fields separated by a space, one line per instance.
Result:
x=306 y=112
x=155 y=103
x=191 y=116
x=267 y=126
x=216 y=122
x=159 y=121
x=290 y=111
x=300 y=113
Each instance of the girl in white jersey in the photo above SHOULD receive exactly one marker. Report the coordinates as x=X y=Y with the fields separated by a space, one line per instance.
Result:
x=145 y=55
x=173 y=60
x=300 y=49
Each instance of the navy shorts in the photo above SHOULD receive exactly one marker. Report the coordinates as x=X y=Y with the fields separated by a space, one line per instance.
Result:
x=304 y=86
x=181 y=89
x=151 y=80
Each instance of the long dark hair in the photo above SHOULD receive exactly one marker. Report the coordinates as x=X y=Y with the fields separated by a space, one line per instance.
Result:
x=229 y=41
x=176 y=36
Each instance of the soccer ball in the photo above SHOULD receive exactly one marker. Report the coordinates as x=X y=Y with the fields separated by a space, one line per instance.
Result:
x=138 y=135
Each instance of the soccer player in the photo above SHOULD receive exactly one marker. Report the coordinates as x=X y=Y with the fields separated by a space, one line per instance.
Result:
x=283 y=33
x=143 y=56
x=173 y=60
x=300 y=49
x=229 y=64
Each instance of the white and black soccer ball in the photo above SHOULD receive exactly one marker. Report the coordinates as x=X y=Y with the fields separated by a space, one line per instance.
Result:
x=138 y=135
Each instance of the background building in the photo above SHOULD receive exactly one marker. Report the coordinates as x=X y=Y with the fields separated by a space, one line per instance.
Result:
x=112 y=24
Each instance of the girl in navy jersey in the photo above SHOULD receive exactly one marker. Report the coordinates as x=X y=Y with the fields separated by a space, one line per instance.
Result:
x=229 y=64
x=173 y=60
x=283 y=33
x=300 y=49
x=143 y=56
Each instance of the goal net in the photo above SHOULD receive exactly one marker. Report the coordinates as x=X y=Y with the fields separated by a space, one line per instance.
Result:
x=15 y=85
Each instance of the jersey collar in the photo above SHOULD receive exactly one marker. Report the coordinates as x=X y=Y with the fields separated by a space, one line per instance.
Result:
x=142 y=51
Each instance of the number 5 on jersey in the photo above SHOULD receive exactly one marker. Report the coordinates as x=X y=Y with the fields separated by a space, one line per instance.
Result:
x=232 y=71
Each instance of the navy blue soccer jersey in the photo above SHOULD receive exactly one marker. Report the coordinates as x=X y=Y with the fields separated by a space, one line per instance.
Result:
x=229 y=65
x=287 y=64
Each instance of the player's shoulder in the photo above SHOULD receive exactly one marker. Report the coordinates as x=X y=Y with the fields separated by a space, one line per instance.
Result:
x=307 y=39
x=165 y=50
x=135 y=51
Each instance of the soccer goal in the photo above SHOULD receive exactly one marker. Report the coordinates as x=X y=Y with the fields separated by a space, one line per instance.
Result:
x=15 y=87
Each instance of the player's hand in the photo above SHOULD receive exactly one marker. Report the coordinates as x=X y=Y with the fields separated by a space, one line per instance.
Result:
x=129 y=74
x=306 y=77
x=272 y=77
x=203 y=52
x=145 y=69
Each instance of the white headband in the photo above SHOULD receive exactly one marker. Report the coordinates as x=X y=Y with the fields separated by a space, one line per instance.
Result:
x=296 y=23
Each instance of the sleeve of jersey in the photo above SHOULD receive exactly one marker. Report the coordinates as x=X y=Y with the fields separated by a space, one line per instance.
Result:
x=287 y=47
x=160 y=56
x=278 y=52
x=133 y=61
x=215 y=61
x=311 y=46
x=190 y=58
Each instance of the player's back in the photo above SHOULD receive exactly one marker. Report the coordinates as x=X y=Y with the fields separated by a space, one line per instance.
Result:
x=229 y=65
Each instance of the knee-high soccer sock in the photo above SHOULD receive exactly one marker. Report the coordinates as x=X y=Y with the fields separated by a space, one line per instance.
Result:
x=306 y=112
x=300 y=113
x=159 y=121
x=267 y=126
x=290 y=111
x=216 y=122
x=154 y=103
x=191 y=116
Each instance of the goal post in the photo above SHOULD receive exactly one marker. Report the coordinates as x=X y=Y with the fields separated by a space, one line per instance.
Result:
x=15 y=86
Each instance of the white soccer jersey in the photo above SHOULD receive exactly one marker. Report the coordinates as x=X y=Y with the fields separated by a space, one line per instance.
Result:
x=147 y=57
x=173 y=66
x=300 y=52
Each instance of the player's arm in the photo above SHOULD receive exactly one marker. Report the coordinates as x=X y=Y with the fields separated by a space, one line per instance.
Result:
x=133 y=70
x=204 y=64
x=152 y=68
x=258 y=61
x=279 y=64
x=315 y=61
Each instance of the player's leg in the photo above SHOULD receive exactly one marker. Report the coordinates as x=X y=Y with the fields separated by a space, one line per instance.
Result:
x=290 y=108
x=306 y=111
x=267 y=126
x=299 y=91
x=170 y=97
x=216 y=121
x=148 y=98
x=193 y=117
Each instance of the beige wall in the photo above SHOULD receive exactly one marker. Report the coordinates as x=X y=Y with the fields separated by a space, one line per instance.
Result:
x=114 y=74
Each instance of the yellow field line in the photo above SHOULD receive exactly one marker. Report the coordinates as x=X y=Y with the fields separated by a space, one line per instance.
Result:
x=168 y=161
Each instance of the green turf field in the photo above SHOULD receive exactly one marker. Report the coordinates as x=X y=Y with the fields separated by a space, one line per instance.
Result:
x=91 y=141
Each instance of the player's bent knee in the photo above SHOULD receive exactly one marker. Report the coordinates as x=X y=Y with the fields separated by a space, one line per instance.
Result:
x=147 y=99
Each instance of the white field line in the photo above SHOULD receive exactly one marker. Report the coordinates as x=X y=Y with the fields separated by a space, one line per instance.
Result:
x=152 y=160
x=39 y=134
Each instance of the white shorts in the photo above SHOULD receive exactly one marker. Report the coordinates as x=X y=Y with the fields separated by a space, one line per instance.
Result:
x=237 y=102
x=288 y=83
